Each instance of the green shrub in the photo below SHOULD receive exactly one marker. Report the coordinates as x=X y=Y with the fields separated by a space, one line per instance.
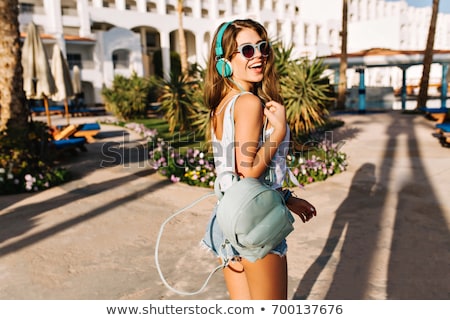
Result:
x=177 y=102
x=129 y=97
x=26 y=162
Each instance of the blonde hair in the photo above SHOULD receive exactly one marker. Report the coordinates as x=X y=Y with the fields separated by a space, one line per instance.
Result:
x=216 y=86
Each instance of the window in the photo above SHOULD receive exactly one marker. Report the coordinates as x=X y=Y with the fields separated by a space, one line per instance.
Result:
x=74 y=59
x=151 y=39
x=26 y=7
x=121 y=59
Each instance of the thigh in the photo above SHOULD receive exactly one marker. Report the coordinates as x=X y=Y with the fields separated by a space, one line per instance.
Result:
x=267 y=277
x=236 y=281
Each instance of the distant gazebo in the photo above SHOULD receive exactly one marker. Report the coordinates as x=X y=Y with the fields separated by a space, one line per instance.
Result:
x=378 y=57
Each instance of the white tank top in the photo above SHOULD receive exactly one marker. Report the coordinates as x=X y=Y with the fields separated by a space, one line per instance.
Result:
x=223 y=149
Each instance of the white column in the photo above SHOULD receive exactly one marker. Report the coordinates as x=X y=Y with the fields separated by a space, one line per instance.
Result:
x=53 y=16
x=197 y=9
x=97 y=3
x=54 y=22
x=287 y=32
x=200 y=55
x=213 y=9
x=161 y=7
x=267 y=5
x=141 y=5
x=83 y=15
x=242 y=7
x=256 y=6
x=165 y=53
x=363 y=10
x=272 y=30
x=279 y=7
x=120 y=4
x=228 y=8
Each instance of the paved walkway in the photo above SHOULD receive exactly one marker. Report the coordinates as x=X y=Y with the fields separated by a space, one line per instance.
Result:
x=382 y=230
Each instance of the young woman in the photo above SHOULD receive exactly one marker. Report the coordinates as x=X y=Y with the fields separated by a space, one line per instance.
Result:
x=241 y=71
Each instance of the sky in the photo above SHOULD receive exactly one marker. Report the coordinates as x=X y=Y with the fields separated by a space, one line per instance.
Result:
x=444 y=5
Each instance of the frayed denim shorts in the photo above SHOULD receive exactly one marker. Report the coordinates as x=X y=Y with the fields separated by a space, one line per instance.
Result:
x=214 y=238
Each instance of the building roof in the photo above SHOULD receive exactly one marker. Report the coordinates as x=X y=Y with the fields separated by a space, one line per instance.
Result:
x=381 y=57
x=68 y=38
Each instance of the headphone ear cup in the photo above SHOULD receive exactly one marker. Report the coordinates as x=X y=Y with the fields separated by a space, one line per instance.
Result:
x=223 y=67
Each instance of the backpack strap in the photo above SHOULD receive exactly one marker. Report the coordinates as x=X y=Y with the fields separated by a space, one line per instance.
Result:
x=158 y=240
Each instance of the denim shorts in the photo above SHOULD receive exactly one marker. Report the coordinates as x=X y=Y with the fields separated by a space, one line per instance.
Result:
x=214 y=238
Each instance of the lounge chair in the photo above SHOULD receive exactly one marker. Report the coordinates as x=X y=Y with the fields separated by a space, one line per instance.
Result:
x=443 y=128
x=70 y=142
x=51 y=110
x=69 y=145
x=443 y=133
x=438 y=114
x=87 y=131
x=65 y=133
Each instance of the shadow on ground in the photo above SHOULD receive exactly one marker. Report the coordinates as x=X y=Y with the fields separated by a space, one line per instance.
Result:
x=419 y=250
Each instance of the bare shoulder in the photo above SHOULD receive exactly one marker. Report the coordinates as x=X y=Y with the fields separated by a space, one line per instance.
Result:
x=248 y=104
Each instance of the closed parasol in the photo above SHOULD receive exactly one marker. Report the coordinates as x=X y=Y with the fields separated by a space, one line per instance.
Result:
x=76 y=80
x=38 y=82
x=63 y=81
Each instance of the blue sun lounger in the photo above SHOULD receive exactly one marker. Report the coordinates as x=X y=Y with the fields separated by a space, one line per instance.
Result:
x=443 y=127
x=70 y=143
x=438 y=114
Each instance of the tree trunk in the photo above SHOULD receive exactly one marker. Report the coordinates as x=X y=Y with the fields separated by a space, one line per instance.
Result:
x=13 y=111
x=428 y=58
x=182 y=39
x=342 y=87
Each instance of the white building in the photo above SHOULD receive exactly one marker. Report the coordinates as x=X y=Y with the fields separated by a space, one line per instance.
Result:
x=108 y=37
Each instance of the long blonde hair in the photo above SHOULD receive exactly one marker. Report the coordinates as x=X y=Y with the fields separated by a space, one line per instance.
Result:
x=216 y=86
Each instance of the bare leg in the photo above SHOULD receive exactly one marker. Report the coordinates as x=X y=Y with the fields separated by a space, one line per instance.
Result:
x=267 y=277
x=236 y=281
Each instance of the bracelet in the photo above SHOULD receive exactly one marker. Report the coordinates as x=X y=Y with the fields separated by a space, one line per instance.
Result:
x=286 y=194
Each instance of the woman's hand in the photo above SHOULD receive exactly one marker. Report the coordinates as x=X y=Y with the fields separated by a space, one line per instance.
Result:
x=302 y=208
x=276 y=114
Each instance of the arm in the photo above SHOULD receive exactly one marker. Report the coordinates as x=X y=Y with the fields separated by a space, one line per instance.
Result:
x=300 y=207
x=251 y=160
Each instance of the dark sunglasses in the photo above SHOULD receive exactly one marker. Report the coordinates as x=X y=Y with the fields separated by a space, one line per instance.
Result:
x=248 y=50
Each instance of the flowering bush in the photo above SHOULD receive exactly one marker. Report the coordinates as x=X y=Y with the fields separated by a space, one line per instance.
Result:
x=318 y=164
x=24 y=162
x=192 y=168
x=149 y=134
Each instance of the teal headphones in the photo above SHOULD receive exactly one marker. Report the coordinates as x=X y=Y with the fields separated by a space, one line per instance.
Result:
x=223 y=66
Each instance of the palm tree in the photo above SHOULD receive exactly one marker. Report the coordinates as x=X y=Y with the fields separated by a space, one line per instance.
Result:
x=182 y=39
x=342 y=87
x=306 y=96
x=428 y=58
x=305 y=90
x=13 y=111
x=176 y=101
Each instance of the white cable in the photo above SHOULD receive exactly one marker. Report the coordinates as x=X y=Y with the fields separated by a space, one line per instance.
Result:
x=157 y=249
